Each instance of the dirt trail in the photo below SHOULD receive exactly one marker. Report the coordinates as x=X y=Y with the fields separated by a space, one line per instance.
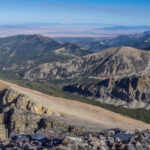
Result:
x=86 y=112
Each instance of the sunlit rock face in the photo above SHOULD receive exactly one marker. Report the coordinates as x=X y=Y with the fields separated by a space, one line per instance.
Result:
x=19 y=113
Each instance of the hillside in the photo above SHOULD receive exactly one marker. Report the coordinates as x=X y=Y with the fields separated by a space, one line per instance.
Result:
x=18 y=53
x=118 y=76
x=114 y=62
x=33 y=120
x=24 y=103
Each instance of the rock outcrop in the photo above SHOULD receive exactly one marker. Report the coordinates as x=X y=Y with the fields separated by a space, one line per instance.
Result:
x=132 y=92
x=22 y=114
x=18 y=113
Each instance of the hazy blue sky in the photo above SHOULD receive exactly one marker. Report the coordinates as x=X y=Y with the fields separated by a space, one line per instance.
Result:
x=118 y=12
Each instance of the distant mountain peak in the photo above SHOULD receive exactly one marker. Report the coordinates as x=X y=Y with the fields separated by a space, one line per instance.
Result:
x=17 y=51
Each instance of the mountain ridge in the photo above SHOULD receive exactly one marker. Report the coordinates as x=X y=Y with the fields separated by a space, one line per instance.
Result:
x=121 y=66
x=69 y=63
x=22 y=52
x=100 y=64
x=137 y=40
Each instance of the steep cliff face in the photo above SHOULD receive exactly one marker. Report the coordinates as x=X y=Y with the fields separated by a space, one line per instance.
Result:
x=133 y=92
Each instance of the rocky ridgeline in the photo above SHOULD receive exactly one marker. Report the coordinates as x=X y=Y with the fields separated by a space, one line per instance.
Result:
x=105 y=140
x=110 y=63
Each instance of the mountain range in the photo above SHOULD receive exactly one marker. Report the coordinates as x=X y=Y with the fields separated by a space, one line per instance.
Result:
x=138 y=40
x=117 y=75
x=18 y=53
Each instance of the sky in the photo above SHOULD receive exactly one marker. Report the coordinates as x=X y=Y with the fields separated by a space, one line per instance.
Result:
x=86 y=12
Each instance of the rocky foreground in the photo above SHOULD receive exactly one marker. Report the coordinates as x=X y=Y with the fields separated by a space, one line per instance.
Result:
x=32 y=120
x=105 y=140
